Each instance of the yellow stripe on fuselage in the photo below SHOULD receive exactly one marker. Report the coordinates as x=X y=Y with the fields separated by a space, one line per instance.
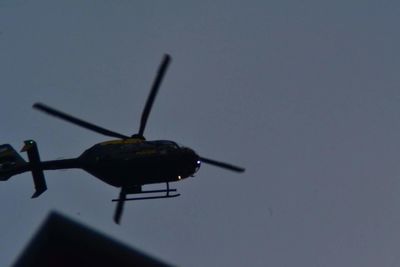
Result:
x=123 y=141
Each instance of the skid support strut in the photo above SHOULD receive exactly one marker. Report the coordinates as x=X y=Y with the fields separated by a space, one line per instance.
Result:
x=138 y=190
x=167 y=195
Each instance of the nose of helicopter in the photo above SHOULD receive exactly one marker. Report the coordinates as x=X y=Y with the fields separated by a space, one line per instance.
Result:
x=198 y=165
x=193 y=162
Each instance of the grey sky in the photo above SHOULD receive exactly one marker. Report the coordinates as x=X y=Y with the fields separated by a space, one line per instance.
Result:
x=304 y=94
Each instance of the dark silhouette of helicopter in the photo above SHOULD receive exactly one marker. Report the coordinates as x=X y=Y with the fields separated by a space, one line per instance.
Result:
x=127 y=163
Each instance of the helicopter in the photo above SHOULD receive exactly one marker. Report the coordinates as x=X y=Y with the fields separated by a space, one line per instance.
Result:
x=127 y=162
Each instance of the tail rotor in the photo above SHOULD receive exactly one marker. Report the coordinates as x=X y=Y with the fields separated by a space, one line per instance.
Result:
x=11 y=163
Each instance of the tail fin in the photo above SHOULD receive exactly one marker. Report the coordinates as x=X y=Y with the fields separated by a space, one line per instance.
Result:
x=10 y=162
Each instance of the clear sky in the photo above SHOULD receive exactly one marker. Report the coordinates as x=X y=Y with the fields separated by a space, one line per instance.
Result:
x=304 y=94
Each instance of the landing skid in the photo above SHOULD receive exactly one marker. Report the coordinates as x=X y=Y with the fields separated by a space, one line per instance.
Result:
x=138 y=191
x=151 y=197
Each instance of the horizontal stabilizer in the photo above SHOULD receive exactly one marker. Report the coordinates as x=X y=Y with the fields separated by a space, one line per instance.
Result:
x=37 y=172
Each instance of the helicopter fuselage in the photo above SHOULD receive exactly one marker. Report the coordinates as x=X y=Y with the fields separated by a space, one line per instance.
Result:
x=134 y=162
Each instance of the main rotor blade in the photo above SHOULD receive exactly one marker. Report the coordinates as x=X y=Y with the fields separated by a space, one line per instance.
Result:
x=222 y=165
x=77 y=121
x=120 y=206
x=154 y=89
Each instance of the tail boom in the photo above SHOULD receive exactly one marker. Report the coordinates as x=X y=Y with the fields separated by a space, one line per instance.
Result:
x=11 y=163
